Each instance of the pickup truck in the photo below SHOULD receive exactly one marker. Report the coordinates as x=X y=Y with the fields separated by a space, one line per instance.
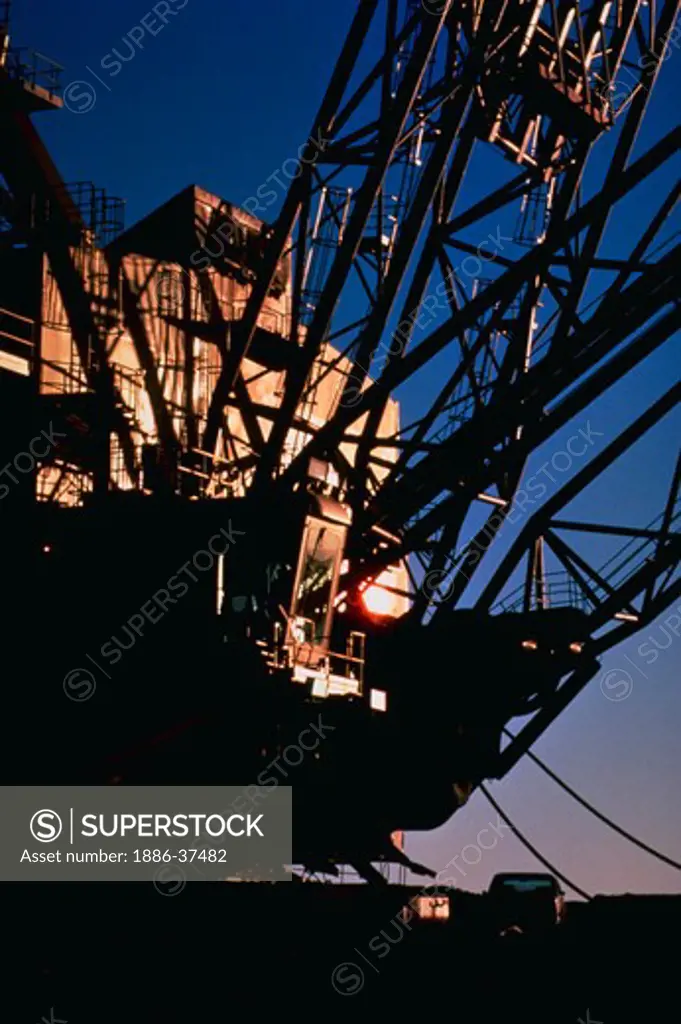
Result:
x=526 y=904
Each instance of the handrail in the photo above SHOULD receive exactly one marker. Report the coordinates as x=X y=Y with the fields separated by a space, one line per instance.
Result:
x=17 y=316
x=616 y=561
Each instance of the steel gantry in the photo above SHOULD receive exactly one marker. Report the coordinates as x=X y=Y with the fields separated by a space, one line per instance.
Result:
x=437 y=299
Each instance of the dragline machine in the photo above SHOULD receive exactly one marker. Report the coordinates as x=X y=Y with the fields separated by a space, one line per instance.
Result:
x=273 y=463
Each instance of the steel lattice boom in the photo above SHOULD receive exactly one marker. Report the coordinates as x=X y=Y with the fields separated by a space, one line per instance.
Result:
x=437 y=299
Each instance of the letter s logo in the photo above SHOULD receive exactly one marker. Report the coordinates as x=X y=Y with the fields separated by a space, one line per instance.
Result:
x=45 y=826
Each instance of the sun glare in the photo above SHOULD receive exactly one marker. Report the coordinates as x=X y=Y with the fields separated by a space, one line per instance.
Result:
x=377 y=600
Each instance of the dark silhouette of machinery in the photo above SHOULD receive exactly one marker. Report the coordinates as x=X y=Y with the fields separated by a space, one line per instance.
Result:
x=214 y=385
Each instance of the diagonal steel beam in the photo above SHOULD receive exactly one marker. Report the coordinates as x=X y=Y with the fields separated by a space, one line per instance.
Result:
x=322 y=131
x=388 y=142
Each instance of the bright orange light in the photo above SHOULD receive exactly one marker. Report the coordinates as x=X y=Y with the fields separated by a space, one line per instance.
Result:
x=530 y=645
x=377 y=600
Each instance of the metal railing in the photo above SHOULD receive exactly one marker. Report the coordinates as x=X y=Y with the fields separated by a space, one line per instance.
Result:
x=17 y=345
x=560 y=589
x=32 y=68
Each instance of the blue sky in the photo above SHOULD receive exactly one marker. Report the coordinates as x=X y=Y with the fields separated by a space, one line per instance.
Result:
x=220 y=97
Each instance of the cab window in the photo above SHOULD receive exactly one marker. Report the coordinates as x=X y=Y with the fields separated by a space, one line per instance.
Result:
x=317 y=580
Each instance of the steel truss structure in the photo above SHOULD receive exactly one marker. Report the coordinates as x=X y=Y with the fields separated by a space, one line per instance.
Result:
x=444 y=242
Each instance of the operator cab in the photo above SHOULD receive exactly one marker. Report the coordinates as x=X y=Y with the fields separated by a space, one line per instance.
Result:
x=284 y=593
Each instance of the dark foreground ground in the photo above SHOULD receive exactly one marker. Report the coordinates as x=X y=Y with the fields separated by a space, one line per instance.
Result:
x=90 y=954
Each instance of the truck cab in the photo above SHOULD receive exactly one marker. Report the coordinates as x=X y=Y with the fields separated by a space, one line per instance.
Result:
x=526 y=904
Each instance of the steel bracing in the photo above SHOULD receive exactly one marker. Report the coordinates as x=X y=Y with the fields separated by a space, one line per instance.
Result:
x=446 y=243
